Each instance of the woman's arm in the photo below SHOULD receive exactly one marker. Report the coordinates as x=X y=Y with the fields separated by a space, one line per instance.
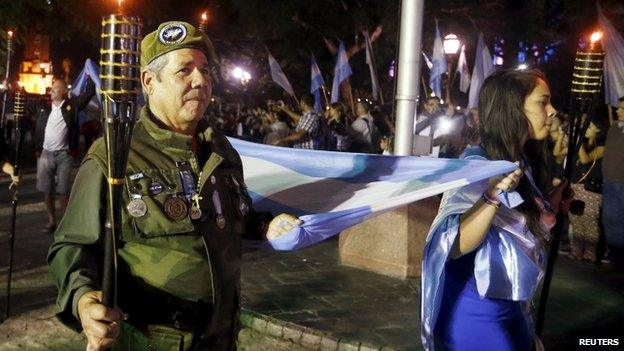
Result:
x=588 y=157
x=475 y=223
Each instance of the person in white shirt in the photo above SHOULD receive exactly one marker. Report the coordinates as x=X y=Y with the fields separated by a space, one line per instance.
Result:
x=56 y=141
x=365 y=134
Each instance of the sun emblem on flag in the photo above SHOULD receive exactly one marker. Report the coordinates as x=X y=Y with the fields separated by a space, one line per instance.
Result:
x=173 y=33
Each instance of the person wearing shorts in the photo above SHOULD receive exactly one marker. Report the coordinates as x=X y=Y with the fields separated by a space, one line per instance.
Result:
x=56 y=142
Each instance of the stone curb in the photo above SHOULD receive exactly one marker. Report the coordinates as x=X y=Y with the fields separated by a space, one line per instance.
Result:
x=304 y=336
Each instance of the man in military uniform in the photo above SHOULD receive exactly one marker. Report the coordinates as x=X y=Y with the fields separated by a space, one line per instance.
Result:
x=186 y=209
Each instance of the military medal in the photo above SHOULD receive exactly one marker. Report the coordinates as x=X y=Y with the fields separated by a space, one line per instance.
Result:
x=216 y=201
x=156 y=188
x=137 y=207
x=176 y=208
x=196 y=212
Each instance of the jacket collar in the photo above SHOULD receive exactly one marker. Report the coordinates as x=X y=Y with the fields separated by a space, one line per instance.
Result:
x=159 y=132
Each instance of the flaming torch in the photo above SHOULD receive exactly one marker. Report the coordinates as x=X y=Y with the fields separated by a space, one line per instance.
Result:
x=120 y=89
x=586 y=83
x=204 y=21
x=18 y=113
x=9 y=49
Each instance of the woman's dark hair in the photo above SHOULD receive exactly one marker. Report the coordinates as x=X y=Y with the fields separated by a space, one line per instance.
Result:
x=504 y=131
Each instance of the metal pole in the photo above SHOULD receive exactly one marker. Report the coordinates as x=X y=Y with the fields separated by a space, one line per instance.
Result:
x=408 y=74
x=9 y=50
x=18 y=113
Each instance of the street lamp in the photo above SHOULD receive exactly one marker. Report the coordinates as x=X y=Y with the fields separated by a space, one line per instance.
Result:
x=451 y=44
x=451 y=47
x=243 y=76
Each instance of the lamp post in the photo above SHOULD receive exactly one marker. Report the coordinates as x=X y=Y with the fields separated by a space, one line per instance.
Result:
x=451 y=47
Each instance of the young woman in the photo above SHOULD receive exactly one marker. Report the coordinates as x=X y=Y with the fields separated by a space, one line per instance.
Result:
x=485 y=255
x=586 y=183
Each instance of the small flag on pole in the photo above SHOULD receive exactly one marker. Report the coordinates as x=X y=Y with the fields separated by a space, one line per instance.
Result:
x=463 y=70
x=316 y=84
x=439 y=65
x=482 y=69
x=279 y=77
x=341 y=72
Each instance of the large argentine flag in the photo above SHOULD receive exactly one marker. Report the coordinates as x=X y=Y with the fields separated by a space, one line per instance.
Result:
x=332 y=191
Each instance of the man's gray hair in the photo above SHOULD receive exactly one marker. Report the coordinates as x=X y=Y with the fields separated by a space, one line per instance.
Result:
x=155 y=67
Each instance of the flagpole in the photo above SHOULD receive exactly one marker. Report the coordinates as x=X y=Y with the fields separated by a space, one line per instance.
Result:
x=324 y=91
x=408 y=72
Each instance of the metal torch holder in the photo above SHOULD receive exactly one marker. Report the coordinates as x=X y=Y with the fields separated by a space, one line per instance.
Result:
x=120 y=89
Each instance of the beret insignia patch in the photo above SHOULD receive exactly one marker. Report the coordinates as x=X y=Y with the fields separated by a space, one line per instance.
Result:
x=172 y=34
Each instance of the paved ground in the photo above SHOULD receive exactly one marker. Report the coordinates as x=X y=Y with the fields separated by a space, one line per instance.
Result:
x=309 y=288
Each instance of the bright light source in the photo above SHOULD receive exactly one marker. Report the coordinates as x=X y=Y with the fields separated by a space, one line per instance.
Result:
x=241 y=75
x=10 y=33
x=595 y=36
x=204 y=16
x=19 y=82
x=458 y=108
x=444 y=125
x=451 y=44
x=432 y=94
x=69 y=86
x=522 y=66
x=1 y=86
x=498 y=61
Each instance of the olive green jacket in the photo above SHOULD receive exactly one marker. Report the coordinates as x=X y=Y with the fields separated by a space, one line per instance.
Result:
x=191 y=259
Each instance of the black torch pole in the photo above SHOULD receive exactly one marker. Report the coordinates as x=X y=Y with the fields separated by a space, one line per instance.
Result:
x=120 y=88
x=586 y=83
x=9 y=52
x=18 y=113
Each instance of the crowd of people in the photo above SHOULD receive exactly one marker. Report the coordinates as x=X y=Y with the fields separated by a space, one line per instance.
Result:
x=187 y=208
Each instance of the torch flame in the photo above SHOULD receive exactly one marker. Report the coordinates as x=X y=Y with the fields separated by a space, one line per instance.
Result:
x=595 y=36
x=204 y=16
x=10 y=33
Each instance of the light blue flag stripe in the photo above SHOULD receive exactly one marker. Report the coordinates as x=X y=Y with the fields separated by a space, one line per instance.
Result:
x=613 y=45
x=438 y=65
x=332 y=191
x=342 y=71
x=316 y=83
x=279 y=77
x=483 y=67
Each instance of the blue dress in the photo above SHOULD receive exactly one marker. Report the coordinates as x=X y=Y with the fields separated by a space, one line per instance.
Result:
x=481 y=300
x=469 y=322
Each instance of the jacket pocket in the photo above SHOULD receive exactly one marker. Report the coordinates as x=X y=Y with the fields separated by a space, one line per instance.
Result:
x=156 y=187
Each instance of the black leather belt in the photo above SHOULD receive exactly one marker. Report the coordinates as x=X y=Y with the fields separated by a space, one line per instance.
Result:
x=161 y=308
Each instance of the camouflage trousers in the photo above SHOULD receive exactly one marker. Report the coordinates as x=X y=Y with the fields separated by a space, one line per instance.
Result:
x=164 y=338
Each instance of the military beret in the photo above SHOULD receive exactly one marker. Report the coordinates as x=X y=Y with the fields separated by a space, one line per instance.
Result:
x=172 y=36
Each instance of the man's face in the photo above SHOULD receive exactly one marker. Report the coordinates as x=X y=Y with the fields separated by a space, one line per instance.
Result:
x=183 y=89
x=620 y=111
x=432 y=105
x=58 y=91
x=360 y=110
